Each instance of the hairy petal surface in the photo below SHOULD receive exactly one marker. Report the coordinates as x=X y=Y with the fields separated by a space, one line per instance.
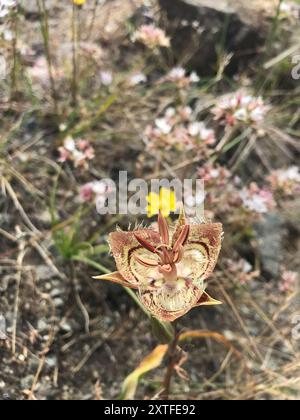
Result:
x=125 y=247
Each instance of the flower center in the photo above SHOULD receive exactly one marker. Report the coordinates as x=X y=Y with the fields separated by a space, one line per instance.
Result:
x=169 y=255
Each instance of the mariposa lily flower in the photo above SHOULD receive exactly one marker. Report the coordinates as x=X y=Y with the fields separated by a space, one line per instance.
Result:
x=168 y=267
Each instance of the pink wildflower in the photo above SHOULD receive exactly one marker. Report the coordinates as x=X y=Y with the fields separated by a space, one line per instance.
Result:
x=242 y=271
x=214 y=175
x=286 y=181
x=289 y=280
x=179 y=77
x=240 y=107
x=257 y=200
x=151 y=36
x=79 y=152
x=95 y=191
x=87 y=192
x=178 y=128
x=106 y=78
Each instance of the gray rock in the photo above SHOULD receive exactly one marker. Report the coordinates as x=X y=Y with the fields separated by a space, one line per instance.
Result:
x=42 y=326
x=26 y=382
x=199 y=27
x=66 y=327
x=51 y=361
x=55 y=293
x=43 y=272
x=270 y=234
x=2 y=328
x=58 y=302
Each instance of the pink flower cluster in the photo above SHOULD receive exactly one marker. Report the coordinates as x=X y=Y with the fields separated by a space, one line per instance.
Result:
x=240 y=107
x=214 y=175
x=151 y=36
x=221 y=190
x=94 y=192
x=285 y=181
x=178 y=128
x=288 y=281
x=179 y=76
x=79 y=152
x=224 y=194
x=256 y=199
x=241 y=271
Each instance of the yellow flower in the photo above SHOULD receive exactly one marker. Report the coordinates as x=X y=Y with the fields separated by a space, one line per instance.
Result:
x=79 y=2
x=164 y=202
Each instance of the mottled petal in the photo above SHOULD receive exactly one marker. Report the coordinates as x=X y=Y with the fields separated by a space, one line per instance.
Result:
x=206 y=239
x=146 y=244
x=144 y=275
x=207 y=300
x=163 y=229
x=115 y=277
x=182 y=238
x=126 y=249
x=179 y=225
x=169 y=303
x=194 y=263
x=146 y=262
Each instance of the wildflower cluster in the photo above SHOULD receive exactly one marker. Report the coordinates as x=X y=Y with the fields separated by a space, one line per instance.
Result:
x=241 y=270
x=180 y=78
x=80 y=152
x=288 y=281
x=178 y=128
x=151 y=36
x=224 y=194
x=240 y=107
x=285 y=181
x=94 y=192
x=257 y=199
x=215 y=176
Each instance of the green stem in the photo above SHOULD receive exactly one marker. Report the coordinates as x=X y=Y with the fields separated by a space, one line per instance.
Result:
x=173 y=356
x=75 y=24
x=44 y=26
x=13 y=89
x=93 y=20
